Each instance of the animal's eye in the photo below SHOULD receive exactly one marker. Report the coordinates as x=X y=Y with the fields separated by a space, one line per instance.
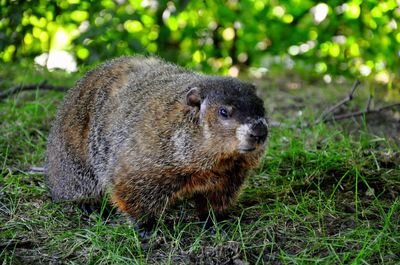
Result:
x=223 y=112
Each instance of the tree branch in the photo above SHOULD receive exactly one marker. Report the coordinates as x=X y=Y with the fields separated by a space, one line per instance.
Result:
x=361 y=113
x=332 y=109
x=43 y=86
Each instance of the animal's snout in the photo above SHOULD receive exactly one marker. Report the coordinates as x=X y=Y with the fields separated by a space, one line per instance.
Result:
x=252 y=135
x=259 y=131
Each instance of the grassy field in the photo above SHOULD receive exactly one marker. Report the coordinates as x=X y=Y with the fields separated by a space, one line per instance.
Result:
x=328 y=194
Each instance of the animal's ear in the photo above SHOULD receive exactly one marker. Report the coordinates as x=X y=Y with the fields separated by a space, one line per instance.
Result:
x=193 y=97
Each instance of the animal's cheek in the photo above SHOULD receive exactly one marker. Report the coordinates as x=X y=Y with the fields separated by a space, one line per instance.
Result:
x=228 y=139
x=219 y=138
x=242 y=133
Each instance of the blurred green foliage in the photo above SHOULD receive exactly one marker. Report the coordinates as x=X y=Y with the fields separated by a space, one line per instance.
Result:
x=350 y=38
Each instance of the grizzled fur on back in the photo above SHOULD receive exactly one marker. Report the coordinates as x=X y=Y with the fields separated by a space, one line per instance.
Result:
x=147 y=132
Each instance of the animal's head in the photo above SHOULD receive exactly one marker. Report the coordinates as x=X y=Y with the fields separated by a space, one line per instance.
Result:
x=231 y=115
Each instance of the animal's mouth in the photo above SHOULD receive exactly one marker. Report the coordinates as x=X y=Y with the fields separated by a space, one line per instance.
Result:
x=246 y=150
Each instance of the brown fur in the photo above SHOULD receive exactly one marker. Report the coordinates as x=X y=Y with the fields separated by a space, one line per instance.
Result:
x=149 y=132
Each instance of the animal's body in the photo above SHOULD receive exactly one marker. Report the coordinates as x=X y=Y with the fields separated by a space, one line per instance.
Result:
x=148 y=132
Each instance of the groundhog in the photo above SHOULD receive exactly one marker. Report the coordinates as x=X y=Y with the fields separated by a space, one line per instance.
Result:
x=148 y=132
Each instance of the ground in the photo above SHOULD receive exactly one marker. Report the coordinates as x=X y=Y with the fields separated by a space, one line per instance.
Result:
x=327 y=193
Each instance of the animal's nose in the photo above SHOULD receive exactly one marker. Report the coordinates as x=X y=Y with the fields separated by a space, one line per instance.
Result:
x=258 y=138
x=259 y=131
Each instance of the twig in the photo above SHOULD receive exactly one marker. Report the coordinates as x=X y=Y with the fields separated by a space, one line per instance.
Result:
x=36 y=170
x=332 y=109
x=43 y=86
x=361 y=113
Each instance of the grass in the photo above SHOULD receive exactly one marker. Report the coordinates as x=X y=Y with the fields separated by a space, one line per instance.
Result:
x=328 y=194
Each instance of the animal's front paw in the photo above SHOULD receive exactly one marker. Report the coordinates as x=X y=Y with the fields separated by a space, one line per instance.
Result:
x=145 y=228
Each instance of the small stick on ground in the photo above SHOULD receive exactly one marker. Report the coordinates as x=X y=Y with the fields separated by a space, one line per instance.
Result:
x=36 y=170
x=42 y=86
x=332 y=109
x=361 y=113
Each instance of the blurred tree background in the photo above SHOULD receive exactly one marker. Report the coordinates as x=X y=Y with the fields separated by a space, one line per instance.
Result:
x=337 y=38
